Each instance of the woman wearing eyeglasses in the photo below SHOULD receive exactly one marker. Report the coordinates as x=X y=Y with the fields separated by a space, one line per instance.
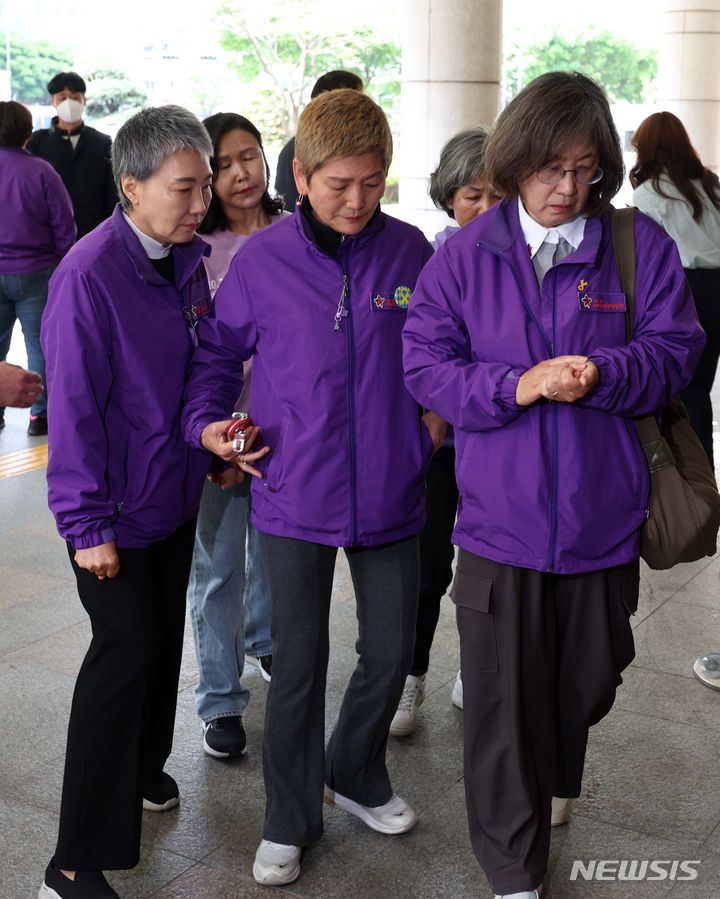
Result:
x=516 y=336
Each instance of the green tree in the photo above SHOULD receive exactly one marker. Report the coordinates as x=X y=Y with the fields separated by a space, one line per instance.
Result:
x=287 y=46
x=110 y=91
x=625 y=70
x=32 y=65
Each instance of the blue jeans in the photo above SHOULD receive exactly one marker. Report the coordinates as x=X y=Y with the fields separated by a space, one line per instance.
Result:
x=24 y=297
x=228 y=599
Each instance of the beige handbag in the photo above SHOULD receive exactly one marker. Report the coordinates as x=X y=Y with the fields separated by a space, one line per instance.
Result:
x=684 y=514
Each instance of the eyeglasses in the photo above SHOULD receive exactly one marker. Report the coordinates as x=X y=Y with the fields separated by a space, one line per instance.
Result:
x=584 y=174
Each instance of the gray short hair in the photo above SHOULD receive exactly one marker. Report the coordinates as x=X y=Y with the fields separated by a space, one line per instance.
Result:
x=145 y=140
x=461 y=162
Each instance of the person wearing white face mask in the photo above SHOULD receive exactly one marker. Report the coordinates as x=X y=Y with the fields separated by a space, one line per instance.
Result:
x=80 y=154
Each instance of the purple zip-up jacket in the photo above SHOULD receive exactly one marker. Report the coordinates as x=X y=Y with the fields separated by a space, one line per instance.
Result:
x=37 y=226
x=557 y=487
x=348 y=445
x=117 y=343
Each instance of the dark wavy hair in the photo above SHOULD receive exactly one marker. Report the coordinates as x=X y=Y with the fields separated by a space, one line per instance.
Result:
x=664 y=148
x=550 y=113
x=218 y=126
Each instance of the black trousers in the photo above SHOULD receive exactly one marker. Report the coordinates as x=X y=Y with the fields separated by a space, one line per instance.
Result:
x=295 y=763
x=436 y=552
x=705 y=286
x=123 y=709
x=541 y=656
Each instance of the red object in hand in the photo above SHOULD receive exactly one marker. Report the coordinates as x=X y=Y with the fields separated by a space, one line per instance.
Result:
x=235 y=431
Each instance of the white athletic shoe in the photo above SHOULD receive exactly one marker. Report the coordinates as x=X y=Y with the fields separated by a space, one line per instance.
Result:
x=413 y=694
x=561 y=811
x=457 y=692
x=396 y=816
x=526 y=894
x=276 y=863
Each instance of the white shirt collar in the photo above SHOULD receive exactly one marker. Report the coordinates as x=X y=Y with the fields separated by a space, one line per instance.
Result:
x=152 y=247
x=535 y=233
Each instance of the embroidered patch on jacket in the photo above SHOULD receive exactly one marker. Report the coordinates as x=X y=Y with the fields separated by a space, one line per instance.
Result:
x=396 y=300
x=608 y=302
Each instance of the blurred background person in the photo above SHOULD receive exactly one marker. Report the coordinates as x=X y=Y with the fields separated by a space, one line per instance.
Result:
x=36 y=230
x=673 y=187
x=228 y=591
x=80 y=154
x=459 y=186
x=284 y=178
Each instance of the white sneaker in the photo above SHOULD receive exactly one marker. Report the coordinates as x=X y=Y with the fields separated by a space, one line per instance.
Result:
x=561 y=811
x=276 y=863
x=527 y=894
x=396 y=816
x=413 y=694
x=457 y=692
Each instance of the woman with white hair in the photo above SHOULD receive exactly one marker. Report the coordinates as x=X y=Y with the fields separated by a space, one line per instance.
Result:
x=124 y=487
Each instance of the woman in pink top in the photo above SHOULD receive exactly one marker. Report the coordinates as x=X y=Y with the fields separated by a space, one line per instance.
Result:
x=227 y=593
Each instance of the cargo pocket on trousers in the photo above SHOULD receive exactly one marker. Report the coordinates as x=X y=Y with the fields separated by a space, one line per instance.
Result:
x=622 y=606
x=478 y=649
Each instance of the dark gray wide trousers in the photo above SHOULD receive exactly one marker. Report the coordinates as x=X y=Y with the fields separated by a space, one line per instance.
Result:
x=541 y=656
x=296 y=763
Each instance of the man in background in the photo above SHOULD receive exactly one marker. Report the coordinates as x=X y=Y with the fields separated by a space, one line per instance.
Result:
x=80 y=154
x=284 y=178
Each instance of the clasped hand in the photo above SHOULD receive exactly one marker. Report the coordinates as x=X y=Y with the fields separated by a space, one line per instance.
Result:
x=563 y=379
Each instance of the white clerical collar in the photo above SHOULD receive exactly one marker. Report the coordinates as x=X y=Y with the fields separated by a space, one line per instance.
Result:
x=536 y=234
x=152 y=247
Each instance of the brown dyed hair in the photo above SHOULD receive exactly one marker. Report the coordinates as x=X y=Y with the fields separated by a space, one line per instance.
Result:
x=15 y=124
x=664 y=148
x=341 y=123
x=548 y=115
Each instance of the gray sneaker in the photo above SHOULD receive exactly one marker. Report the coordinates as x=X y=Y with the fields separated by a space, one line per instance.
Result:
x=405 y=720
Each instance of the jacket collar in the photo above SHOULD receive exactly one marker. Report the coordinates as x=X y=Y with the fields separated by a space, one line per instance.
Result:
x=63 y=132
x=502 y=230
x=187 y=257
x=354 y=241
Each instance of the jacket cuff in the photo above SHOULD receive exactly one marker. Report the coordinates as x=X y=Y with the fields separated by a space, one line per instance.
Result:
x=196 y=432
x=508 y=388
x=94 y=538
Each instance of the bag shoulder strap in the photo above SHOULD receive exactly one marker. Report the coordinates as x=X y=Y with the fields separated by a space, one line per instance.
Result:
x=622 y=230
x=623 y=240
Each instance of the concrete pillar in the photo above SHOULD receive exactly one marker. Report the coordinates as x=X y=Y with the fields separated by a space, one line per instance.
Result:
x=689 y=72
x=451 y=66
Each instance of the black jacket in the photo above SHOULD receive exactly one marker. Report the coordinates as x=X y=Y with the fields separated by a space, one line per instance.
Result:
x=284 y=178
x=85 y=171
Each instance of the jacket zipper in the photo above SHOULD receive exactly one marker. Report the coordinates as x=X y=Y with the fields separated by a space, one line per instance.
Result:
x=554 y=460
x=343 y=312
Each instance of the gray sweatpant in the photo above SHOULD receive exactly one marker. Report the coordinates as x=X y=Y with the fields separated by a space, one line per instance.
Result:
x=296 y=764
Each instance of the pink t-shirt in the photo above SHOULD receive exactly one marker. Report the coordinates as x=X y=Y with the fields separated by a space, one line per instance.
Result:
x=225 y=245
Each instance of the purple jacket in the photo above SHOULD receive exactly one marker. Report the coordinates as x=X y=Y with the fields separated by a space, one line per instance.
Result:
x=117 y=344
x=37 y=226
x=348 y=446
x=553 y=486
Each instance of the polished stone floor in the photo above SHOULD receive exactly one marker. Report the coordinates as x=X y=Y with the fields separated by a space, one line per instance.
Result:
x=651 y=787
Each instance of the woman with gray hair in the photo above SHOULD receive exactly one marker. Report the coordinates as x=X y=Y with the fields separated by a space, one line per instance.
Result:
x=124 y=487
x=459 y=185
